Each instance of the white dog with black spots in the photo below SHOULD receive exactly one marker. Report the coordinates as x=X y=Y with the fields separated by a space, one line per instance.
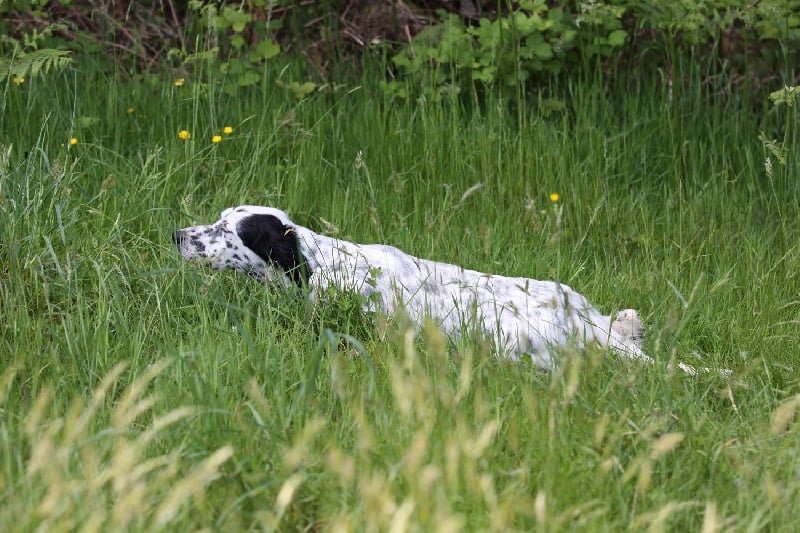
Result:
x=524 y=317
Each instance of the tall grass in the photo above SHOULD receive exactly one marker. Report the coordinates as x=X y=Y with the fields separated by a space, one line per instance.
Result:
x=140 y=392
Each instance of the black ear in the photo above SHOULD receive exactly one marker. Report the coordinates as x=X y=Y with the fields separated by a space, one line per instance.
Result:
x=275 y=243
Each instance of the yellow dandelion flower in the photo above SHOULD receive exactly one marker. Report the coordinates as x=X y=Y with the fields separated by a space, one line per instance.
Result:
x=130 y=110
x=216 y=138
x=73 y=141
x=554 y=197
x=179 y=82
x=185 y=135
x=18 y=80
x=227 y=130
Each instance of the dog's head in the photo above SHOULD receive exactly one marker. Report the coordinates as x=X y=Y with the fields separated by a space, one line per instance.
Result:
x=628 y=326
x=257 y=241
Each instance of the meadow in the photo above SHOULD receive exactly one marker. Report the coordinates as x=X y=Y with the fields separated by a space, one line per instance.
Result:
x=138 y=392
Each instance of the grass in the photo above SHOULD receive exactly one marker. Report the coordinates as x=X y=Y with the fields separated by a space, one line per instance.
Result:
x=138 y=392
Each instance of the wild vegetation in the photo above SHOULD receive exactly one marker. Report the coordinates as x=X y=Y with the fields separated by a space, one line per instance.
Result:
x=139 y=392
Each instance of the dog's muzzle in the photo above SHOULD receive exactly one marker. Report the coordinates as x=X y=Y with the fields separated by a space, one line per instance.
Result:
x=184 y=244
x=178 y=237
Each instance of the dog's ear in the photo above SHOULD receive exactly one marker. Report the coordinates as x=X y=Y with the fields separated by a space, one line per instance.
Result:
x=275 y=243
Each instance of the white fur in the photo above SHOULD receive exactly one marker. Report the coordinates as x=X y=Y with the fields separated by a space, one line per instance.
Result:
x=523 y=316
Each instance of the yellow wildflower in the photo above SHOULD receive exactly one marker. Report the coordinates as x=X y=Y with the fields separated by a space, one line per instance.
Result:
x=216 y=138
x=130 y=110
x=18 y=80
x=73 y=141
x=185 y=135
x=227 y=130
x=179 y=82
x=554 y=197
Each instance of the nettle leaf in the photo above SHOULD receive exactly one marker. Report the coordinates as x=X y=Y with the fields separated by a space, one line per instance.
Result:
x=401 y=61
x=301 y=90
x=237 y=19
x=203 y=55
x=275 y=24
x=538 y=47
x=268 y=49
x=556 y=15
x=568 y=36
x=394 y=89
x=247 y=78
x=523 y=23
x=486 y=74
x=533 y=5
x=617 y=37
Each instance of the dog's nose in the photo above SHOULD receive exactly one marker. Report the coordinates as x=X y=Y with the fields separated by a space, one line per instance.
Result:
x=177 y=236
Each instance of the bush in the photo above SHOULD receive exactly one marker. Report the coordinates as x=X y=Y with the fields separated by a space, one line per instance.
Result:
x=738 y=45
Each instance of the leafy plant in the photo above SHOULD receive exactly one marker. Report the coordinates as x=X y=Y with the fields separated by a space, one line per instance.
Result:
x=413 y=431
x=742 y=45
x=35 y=63
x=26 y=57
x=532 y=41
x=601 y=28
x=239 y=39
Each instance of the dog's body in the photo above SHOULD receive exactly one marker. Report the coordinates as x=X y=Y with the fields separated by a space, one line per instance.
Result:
x=523 y=316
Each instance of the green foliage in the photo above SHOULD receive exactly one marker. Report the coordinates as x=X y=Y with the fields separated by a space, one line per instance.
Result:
x=138 y=392
x=34 y=64
x=510 y=50
x=737 y=42
x=228 y=41
x=774 y=19
x=23 y=60
x=155 y=393
x=779 y=159
x=299 y=90
x=239 y=40
x=601 y=30
x=742 y=45
x=27 y=57
x=748 y=41
x=785 y=96
x=533 y=42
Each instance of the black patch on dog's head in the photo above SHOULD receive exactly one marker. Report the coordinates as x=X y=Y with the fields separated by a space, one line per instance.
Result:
x=275 y=243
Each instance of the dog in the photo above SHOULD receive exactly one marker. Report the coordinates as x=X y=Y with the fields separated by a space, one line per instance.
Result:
x=524 y=317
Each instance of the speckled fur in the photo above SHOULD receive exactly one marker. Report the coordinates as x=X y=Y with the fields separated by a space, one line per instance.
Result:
x=523 y=316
